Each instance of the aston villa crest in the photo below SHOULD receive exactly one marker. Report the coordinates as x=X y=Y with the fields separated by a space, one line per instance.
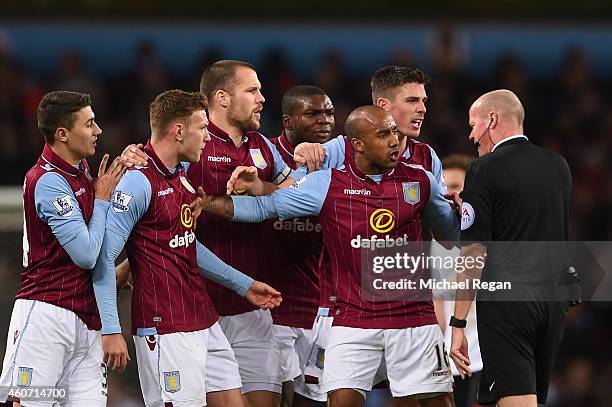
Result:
x=258 y=158
x=412 y=192
x=172 y=381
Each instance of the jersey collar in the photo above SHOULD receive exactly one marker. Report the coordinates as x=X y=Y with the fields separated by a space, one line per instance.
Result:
x=222 y=135
x=157 y=162
x=517 y=139
x=284 y=143
x=58 y=162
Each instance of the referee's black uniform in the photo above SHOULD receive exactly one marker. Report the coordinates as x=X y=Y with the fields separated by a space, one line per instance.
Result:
x=515 y=199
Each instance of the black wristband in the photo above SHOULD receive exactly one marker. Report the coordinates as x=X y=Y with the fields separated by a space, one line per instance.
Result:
x=457 y=323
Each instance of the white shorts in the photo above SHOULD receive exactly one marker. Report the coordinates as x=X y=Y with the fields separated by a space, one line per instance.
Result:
x=252 y=339
x=51 y=347
x=181 y=367
x=414 y=359
x=295 y=346
x=221 y=366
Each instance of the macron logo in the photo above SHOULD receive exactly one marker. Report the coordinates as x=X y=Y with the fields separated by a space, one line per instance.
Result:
x=363 y=192
x=215 y=159
x=165 y=192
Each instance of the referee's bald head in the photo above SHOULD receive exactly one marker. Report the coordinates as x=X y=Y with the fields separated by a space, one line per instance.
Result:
x=502 y=102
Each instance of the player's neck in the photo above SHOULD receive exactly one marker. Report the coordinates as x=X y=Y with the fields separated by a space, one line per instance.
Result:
x=165 y=150
x=222 y=121
x=62 y=151
x=292 y=138
x=402 y=145
x=367 y=167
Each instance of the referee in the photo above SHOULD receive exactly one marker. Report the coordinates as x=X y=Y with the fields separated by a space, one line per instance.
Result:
x=515 y=203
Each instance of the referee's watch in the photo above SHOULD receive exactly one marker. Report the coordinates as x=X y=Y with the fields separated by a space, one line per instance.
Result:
x=457 y=323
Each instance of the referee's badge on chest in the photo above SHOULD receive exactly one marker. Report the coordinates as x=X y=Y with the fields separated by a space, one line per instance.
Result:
x=412 y=192
x=258 y=158
x=467 y=215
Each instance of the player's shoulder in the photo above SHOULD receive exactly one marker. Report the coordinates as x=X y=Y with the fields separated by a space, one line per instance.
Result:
x=274 y=140
x=409 y=168
x=424 y=147
x=135 y=178
x=47 y=178
x=256 y=136
x=36 y=171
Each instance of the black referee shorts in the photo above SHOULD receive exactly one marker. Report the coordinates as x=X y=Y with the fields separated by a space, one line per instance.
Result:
x=518 y=342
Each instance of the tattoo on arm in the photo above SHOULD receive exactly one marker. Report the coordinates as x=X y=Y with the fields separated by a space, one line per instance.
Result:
x=222 y=206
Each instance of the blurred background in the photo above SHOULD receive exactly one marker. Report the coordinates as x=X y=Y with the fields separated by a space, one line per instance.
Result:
x=556 y=56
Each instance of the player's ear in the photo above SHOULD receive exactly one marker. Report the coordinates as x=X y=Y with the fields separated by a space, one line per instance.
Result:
x=384 y=103
x=221 y=97
x=287 y=122
x=61 y=134
x=177 y=131
x=357 y=145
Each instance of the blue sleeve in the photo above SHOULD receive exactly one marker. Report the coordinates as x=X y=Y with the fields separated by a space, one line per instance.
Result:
x=439 y=214
x=57 y=206
x=334 y=153
x=304 y=198
x=281 y=170
x=130 y=201
x=436 y=169
x=216 y=270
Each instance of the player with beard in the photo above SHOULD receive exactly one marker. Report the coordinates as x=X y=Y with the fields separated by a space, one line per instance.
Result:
x=293 y=251
x=235 y=104
x=390 y=327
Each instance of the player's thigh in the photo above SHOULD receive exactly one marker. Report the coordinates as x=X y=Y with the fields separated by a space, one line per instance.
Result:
x=222 y=373
x=345 y=398
x=352 y=357
x=85 y=376
x=40 y=340
x=417 y=361
x=252 y=339
x=172 y=368
x=286 y=338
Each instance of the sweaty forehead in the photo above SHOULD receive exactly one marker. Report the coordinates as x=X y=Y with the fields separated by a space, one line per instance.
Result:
x=314 y=102
x=378 y=121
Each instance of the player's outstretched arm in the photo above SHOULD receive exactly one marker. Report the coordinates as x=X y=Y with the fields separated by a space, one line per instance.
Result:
x=220 y=272
x=257 y=293
x=317 y=156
